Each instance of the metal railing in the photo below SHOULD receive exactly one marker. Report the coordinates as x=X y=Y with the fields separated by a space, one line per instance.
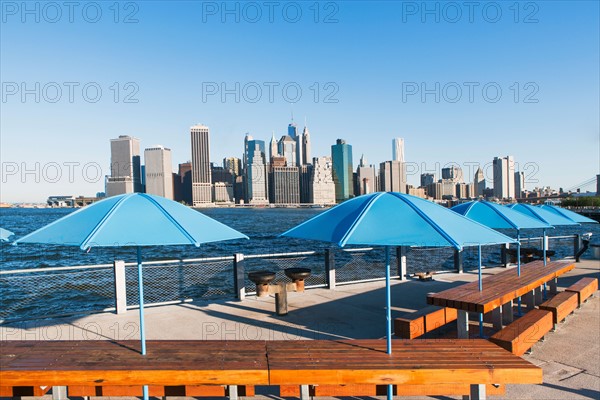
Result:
x=51 y=292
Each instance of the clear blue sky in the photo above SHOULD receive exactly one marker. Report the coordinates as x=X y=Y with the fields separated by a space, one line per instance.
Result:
x=376 y=57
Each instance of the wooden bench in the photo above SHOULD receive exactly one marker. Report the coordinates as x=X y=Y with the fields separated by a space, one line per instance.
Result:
x=118 y=368
x=561 y=305
x=584 y=288
x=519 y=336
x=412 y=325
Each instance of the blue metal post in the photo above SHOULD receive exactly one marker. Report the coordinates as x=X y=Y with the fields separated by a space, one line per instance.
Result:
x=519 y=265
x=480 y=289
x=545 y=262
x=142 y=330
x=388 y=301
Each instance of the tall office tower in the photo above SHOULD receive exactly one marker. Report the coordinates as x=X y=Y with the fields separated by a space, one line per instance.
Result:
x=256 y=173
x=201 y=178
x=392 y=177
x=247 y=138
x=292 y=129
x=183 y=191
x=398 y=149
x=366 y=178
x=233 y=165
x=427 y=179
x=453 y=173
x=464 y=190
x=125 y=166
x=504 y=177
x=306 y=146
x=322 y=185
x=284 y=183
x=287 y=148
x=519 y=184
x=479 y=183
x=273 y=150
x=222 y=192
x=159 y=171
x=305 y=182
x=341 y=155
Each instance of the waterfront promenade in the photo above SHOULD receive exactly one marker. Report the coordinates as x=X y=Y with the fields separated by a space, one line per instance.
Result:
x=570 y=357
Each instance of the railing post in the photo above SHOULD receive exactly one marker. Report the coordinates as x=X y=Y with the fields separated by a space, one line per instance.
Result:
x=459 y=261
x=576 y=246
x=239 y=279
x=330 y=268
x=401 y=260
x=120 y=286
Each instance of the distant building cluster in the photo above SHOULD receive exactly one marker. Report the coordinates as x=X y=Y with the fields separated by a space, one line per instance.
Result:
x=284 y=173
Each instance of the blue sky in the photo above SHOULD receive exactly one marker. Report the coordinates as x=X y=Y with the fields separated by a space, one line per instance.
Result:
x=369 y=60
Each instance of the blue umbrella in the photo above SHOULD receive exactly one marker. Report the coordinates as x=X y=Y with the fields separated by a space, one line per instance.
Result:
x=395 y=219
x=496 y=216
x=575 y=217
x=543 y=215
x=5 y=234
x=133 y=220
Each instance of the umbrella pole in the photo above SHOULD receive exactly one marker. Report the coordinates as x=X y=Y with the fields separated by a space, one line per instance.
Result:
x=545 y=260
x=142 y=330
x=388 y=302
x=519 y=265
x=480 y=289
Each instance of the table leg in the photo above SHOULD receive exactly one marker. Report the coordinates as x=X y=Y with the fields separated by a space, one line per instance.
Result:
x=233 y=392
x=304 y=394
x=529 y=300
x=539 y=299
x=477 y=392
x=553 y=286
x=497 y=318
x=59 y=392
x=507 y=313
x=462 y=324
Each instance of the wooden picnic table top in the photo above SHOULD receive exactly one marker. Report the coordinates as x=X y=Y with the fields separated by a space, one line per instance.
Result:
x=190 y=362
x=500 y=288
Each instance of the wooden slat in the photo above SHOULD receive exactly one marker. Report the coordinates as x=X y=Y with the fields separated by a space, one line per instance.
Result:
x=523 y=333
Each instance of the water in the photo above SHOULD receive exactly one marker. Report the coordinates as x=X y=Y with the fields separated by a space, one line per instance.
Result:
x=35 y=295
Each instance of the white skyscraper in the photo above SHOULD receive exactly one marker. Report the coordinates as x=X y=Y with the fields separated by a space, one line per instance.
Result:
x=398 y=149
x=125 y=166
x=159 y=171
x=504 y=177
x=322 y=187
x=306 y=159
x=201 y=172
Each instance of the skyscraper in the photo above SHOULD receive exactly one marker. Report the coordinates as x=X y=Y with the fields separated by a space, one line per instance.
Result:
x=184 y=191
x=233 y=165
x=158 y=171
x=398 y=149
x=392 y=177
x=256 y=173
x=284 y=183
x=201 y=177
x=273 y=150
x=504 y=177
x=306 y=159
x=322 y=186
x=453 y=173
x=125 y=166
x=341 y=154
x=519 y=184
x=287 y=148
x=367 y=180
x=479 y=183
x=427 y=179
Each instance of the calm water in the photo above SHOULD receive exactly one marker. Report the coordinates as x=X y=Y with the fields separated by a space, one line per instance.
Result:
x=262 y=226
x=36 y=295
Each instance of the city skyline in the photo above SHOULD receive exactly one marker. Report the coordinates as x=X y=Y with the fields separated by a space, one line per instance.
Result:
x=457 y=90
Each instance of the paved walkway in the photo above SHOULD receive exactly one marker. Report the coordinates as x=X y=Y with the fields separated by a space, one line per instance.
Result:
x=570 y=356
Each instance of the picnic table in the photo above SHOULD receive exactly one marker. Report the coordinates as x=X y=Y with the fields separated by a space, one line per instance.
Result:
x=78 y=364
x=499 y=291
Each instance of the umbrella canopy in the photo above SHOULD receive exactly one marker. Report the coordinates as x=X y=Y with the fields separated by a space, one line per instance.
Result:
x=395 y=219
x=496 y=216
x=542 y=214
x=5 y=234
x=568 y=214
x=135 y=219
